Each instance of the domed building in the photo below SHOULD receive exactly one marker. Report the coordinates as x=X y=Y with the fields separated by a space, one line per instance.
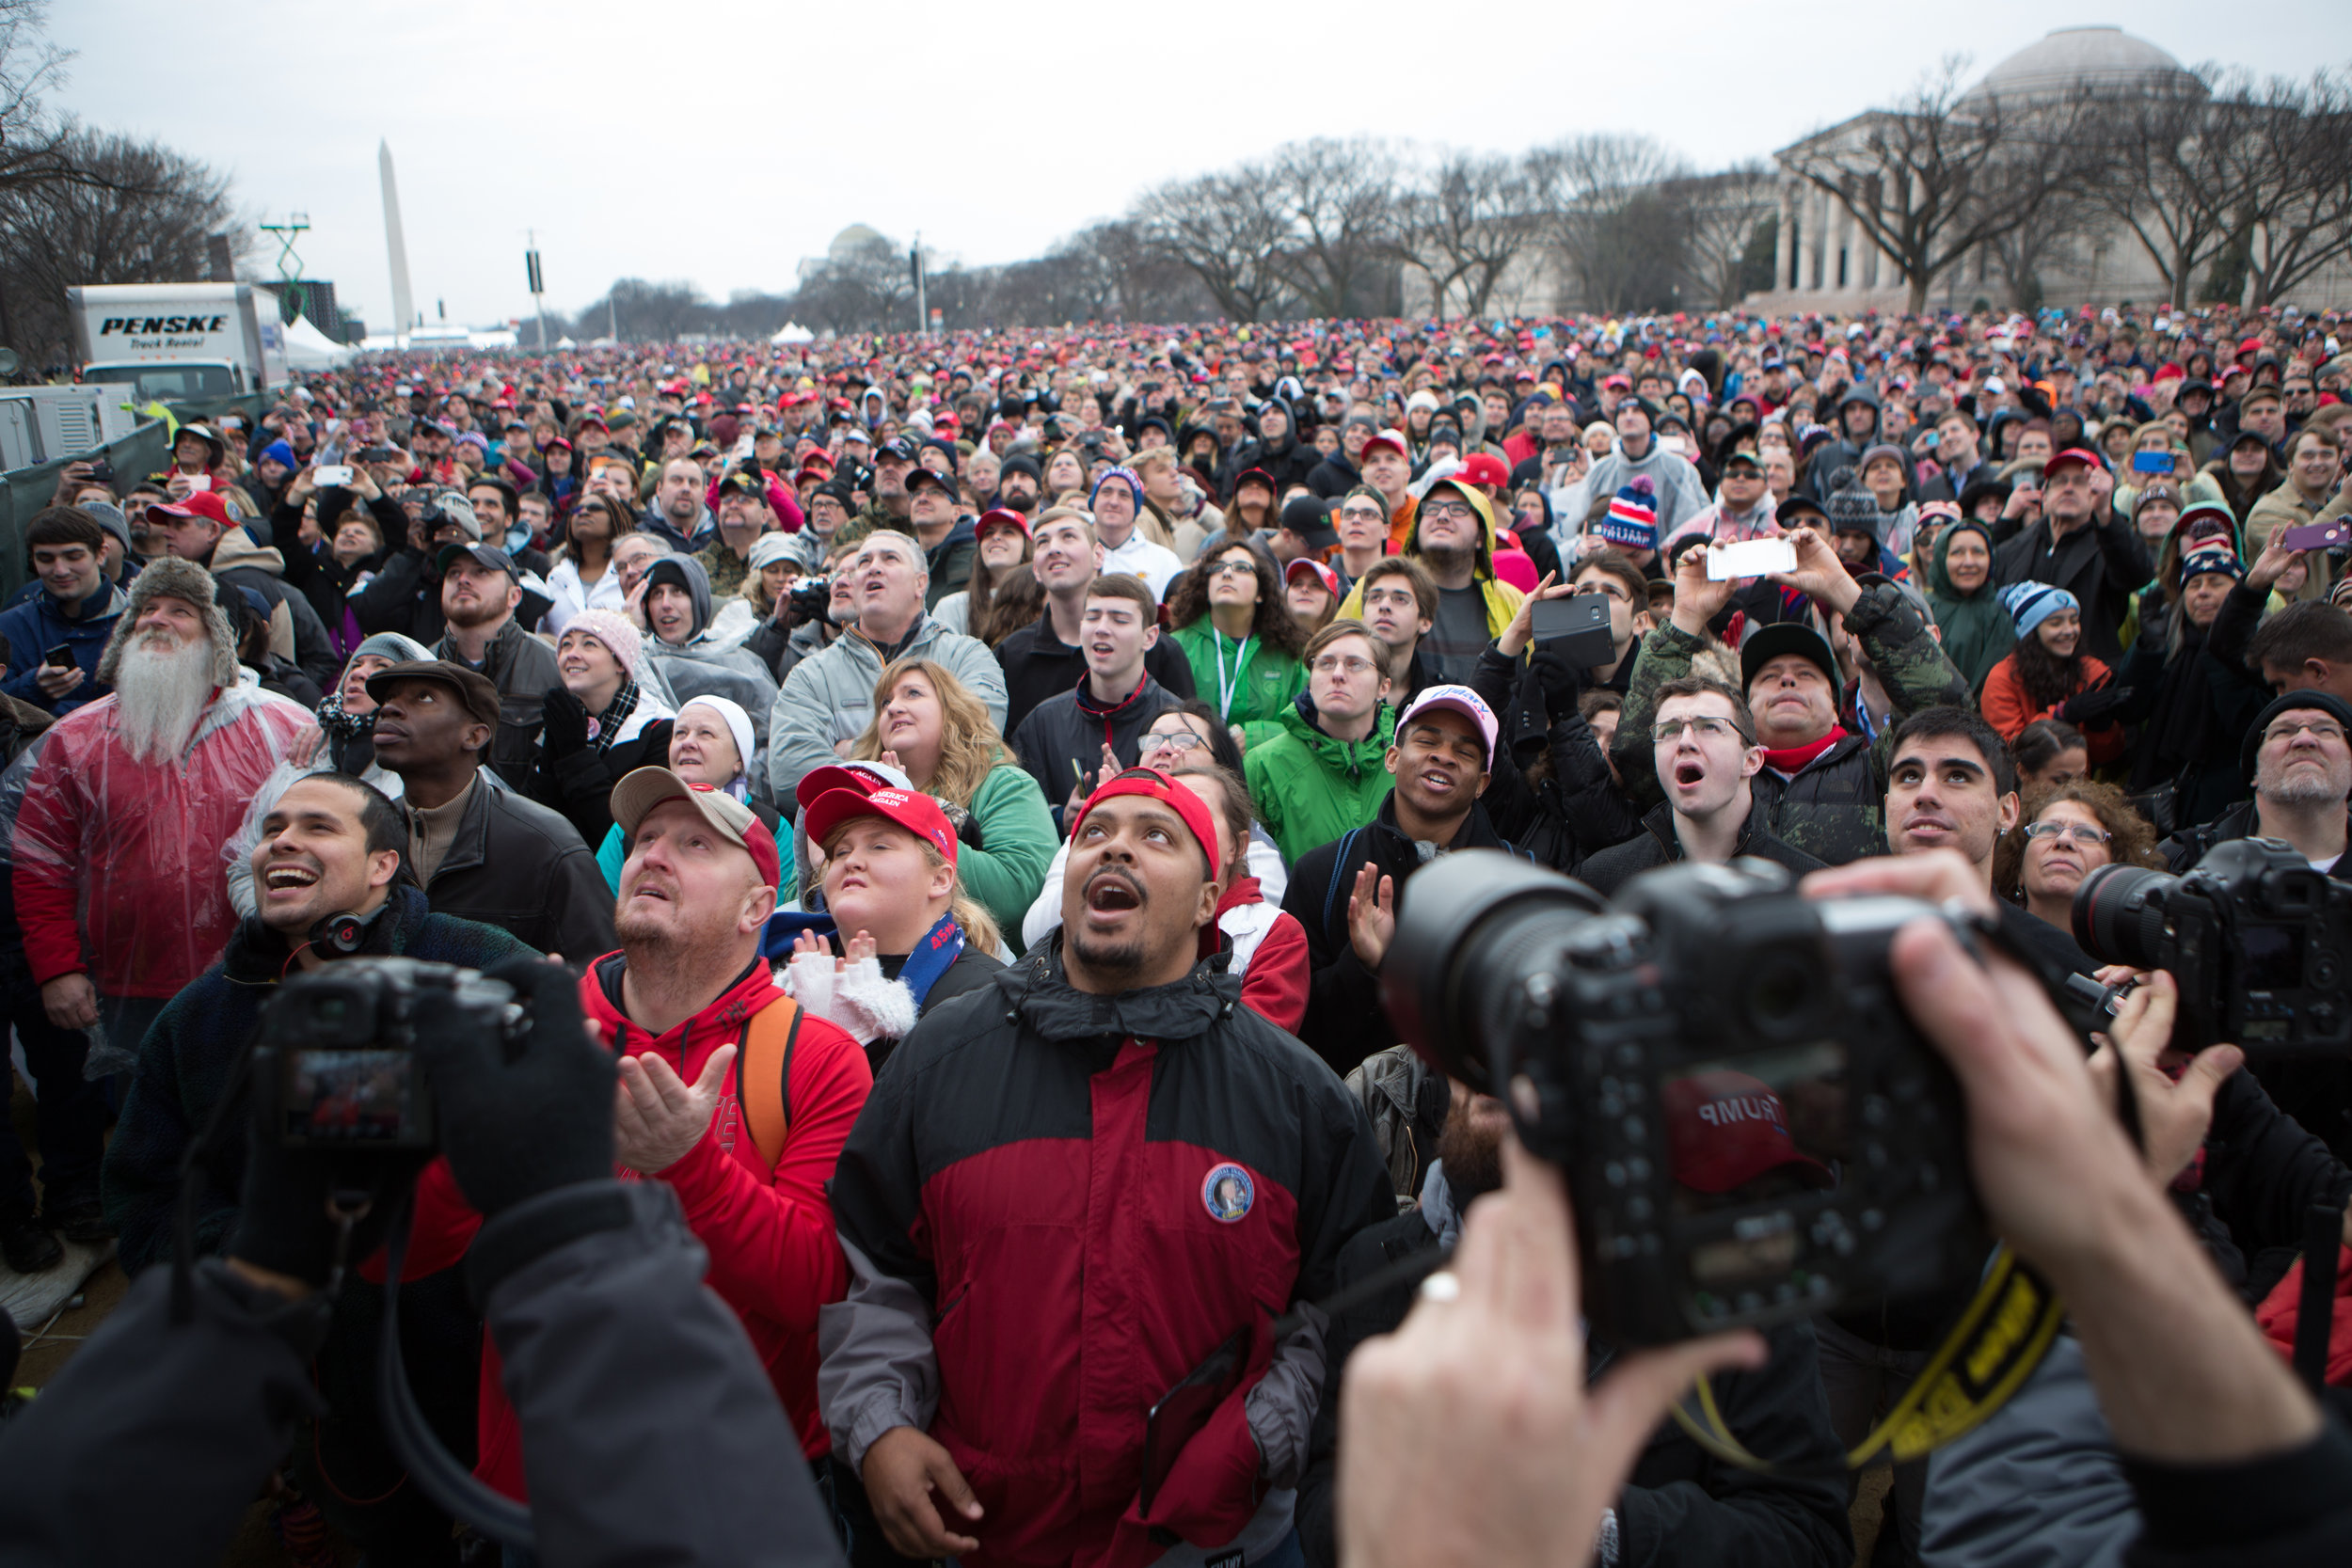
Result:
x=1825 y=260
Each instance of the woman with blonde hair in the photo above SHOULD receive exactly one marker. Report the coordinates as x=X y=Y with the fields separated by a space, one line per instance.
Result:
x=929 y=726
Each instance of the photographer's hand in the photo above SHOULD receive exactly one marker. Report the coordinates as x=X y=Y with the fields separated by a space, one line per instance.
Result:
x=1515 y=635
x=2183 y=1375
x=558 y=1068
x=2174 y=1115
x=1468 y=1438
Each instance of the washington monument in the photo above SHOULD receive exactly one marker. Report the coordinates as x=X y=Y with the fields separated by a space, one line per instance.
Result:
x=396 y=246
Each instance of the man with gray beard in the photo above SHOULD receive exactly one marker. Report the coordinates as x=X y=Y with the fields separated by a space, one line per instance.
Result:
x=115 y=860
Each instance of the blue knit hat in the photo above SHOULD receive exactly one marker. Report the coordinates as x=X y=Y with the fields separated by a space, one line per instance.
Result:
x=2213 y=556
x=281 y=453
x=1633 y=517
x=2029 y=604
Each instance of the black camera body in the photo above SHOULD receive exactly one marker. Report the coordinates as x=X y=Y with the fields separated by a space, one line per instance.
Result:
x=1751 y=1128
x=335 y=1065
x=2259 y=942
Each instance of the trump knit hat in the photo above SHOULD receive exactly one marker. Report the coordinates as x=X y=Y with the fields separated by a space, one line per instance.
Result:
x=2029 y=604
x=1633 y=517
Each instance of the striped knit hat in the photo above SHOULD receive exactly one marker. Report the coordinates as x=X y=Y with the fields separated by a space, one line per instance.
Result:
x=1633 y=519
x=2029 y=604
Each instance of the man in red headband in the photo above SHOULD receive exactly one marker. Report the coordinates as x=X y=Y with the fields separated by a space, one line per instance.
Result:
x=1081 y=1194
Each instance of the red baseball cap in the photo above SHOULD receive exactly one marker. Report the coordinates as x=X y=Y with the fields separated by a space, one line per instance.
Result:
x=1483 y=468
x=995 y=515
x=2073 y=457
x=1393 y=439
x=638 y=794
x=1154 y=784
x=917 y=814
x=1323 y=573
x=1724 y=1130
x=198 y=504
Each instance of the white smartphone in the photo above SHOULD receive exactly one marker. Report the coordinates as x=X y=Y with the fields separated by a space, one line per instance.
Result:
x=331 y=474
x=1750 y=558
x=199 y=482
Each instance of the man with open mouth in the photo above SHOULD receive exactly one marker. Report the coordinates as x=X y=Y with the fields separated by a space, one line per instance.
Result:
x=1707 y=753
x=1100 y=1135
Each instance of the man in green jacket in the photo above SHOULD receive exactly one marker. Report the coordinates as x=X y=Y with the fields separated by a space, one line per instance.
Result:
x=1326 y=773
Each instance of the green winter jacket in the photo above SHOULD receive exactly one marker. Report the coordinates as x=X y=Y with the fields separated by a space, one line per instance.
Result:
x=1017 y=843
x=1310 y=788
x=1266 y=680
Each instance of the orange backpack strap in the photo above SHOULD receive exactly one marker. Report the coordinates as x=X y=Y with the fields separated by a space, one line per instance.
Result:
x=763 y=1076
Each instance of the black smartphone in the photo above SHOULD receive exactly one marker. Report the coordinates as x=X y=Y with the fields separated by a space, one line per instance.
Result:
x=61 y=657
x=1577 y=627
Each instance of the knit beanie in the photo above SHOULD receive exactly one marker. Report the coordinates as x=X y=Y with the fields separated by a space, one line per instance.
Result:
x=612 y=628
x=2313 y=701
x=280 y=452
x=1855 y=510
x=1631 y=521
x=2029 y=604
x=738 y=721
x=2213 y=556
x=394 y=646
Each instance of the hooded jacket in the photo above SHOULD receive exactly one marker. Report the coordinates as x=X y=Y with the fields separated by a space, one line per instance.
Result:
x=1681 y=493
x=116 y=861
x=702 y=646
x=1064 y=736
x=950 y=561
x=1310 y=788
x=1056 y=1206
x=36 y=626
x=1833 y=807
x=1838 y=453
x=1502 y=599
x=296 y=634
x=185 y=1068
x=828 y=696
x=769 y=1230
x=523 y=667
x=1978 y=632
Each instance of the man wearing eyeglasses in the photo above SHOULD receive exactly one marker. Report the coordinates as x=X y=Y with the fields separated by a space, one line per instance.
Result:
x=2300 y=761
x=1454 y=535
x=1705 y=750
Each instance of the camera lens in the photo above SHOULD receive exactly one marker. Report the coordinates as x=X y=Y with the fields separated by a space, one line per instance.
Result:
x=1468 y=930
x=1779 y=995
x=2119 y=914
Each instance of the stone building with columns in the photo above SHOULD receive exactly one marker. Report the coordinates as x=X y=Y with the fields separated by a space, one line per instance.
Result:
x=1824 y=261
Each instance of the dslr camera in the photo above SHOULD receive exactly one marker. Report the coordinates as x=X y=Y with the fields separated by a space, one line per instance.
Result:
x=1751 y=1128
x=335 y=1065
x=2260 y=943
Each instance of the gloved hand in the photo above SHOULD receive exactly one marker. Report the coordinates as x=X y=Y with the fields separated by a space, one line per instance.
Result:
x=565 y=734
x=1562 y=682
x=282 y=1221
x=967 y=826
x=2090 y=710
x=555 y=1067
x=811 y=600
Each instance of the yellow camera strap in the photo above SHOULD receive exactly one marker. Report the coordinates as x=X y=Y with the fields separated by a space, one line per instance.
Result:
x=1987 y=1356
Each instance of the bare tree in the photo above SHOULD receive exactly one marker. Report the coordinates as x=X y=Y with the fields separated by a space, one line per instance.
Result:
x=1721 y=215
x=2163 y=154
x=1338 y=201
x=1618 y=240
x=1465 y=223
x=137 y=211
x=2290 y=176
x=1947 y=171
x=1224 y=229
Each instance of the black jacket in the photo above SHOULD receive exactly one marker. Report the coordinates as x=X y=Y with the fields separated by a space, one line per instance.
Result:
x=1335 y=476
x=1576 y=808
x=579 y=784
x=316 y=575
x=2102 y=566
x=1039 y=665
x=1659 y=845
x=1344 y=1021
x=523 y=667
x=1682 y=1506
x=1064 y=736
x=518 y=866
x=599 y=1277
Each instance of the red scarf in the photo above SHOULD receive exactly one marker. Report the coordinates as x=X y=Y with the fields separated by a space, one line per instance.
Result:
x=1794 y=759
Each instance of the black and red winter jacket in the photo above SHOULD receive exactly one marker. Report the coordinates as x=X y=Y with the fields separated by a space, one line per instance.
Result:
x=1057 y=1205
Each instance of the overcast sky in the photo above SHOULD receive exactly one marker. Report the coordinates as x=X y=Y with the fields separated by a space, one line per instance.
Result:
x=723 y=140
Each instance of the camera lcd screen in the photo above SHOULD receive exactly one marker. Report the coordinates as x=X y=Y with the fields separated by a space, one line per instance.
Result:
x=348 y=1095
x=2270 y=957
x=1757 y=1128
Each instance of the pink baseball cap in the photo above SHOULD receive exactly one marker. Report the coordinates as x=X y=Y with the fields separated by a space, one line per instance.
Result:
x=1461 y=700
x=1329 y=578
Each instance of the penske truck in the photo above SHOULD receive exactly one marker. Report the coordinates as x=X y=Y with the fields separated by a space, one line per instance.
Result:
x=178 y=342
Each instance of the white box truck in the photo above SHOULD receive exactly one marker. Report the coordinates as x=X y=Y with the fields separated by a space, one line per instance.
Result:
x=179 y=341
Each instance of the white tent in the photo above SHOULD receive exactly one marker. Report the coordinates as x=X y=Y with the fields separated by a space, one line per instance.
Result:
x=792 y=332
x=308 y=349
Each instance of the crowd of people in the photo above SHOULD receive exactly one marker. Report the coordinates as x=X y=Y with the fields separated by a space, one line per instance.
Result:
x=973 y=780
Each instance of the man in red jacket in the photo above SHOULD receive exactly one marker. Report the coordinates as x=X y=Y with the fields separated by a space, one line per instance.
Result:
x=1082 y=1193
x=680 y=1001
